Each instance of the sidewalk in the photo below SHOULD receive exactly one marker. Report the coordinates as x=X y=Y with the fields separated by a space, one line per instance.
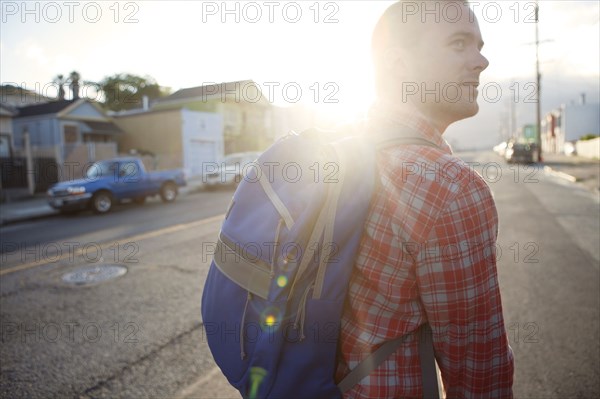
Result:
x=23 y=207
x=583 y=171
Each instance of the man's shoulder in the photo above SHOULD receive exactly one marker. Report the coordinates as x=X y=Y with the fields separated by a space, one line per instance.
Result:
x=419 y=165
x=420 y=184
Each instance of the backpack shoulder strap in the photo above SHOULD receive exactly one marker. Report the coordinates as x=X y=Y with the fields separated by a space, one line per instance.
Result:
x=429 y=374
x=426 y=355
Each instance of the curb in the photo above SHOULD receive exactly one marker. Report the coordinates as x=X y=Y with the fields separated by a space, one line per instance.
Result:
x=6 y=220
x=570 y=178
x=11 y=220
x=560 y=174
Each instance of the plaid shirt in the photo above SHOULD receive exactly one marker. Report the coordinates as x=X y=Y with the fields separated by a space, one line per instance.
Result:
x=428 y=255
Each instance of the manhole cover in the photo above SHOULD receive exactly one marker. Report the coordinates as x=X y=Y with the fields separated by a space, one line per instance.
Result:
x=93 y=274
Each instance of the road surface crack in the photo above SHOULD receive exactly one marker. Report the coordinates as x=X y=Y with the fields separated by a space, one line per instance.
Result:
x=153 y=353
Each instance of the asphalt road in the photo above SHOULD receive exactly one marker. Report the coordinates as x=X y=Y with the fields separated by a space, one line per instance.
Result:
x=549 y=277
x=140 y=335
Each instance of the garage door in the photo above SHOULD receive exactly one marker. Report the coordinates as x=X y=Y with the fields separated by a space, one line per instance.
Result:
x=198 y=152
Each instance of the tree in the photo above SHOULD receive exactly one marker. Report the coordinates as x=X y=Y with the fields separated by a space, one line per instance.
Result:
x=126 y=91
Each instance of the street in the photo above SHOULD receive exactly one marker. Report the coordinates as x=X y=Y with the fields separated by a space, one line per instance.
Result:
x=135 y=336
x=88 y=334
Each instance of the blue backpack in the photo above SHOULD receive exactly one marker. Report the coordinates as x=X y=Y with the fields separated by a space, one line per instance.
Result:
x=275 y=291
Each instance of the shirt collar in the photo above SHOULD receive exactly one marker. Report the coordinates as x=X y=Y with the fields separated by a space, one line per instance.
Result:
x=408 y=118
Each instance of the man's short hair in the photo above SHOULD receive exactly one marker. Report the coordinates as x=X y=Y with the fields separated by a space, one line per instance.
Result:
x=399 y=29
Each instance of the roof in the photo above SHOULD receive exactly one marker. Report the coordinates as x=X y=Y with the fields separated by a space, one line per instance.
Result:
x=103 y=127
x=17 y=96
x=206 y=91
x=43 y=109
x=7 y=110
x=138 y=112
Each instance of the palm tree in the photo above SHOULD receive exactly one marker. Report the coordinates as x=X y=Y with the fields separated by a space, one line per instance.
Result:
x=74 y=85
x=60 y=81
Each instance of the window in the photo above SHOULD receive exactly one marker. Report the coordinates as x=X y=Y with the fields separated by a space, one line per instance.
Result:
x=70 y=133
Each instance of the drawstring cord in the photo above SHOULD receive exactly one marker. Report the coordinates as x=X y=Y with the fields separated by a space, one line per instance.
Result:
x=276 y=247
x=243 y=352
x=301 y=313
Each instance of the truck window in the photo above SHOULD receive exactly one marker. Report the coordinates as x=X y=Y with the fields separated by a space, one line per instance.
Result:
x=129 y=171
x=98 y=170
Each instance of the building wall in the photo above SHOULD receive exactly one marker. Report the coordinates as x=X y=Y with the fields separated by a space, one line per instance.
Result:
x=6 y=124
x=43 y=131
x=6 y=137
x=79 y=157
x=158 y=132
x=589 y=148
x=200 y=106
x=179 y=138
x=247 y=125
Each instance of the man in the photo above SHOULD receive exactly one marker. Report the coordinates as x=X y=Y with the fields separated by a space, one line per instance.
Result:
x=428 y=248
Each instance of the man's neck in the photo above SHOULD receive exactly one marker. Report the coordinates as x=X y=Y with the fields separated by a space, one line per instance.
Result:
x=408 y=107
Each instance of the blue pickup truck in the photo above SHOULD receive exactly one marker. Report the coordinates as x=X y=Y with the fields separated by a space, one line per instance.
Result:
x=111 y=181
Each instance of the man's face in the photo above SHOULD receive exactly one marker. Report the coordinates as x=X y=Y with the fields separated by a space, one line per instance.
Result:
x=444 y=66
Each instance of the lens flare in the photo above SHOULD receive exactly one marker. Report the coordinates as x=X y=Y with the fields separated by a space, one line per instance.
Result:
x=270 y=320
x=282 y=281
x=257 y=375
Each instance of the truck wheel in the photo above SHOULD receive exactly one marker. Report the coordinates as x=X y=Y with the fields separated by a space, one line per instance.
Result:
x=168 y=192
x=102 y=202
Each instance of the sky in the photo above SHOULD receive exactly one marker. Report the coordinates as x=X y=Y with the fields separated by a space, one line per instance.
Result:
x=304 y=52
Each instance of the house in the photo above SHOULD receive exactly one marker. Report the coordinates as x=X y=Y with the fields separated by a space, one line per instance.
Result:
x=246 y=113
x=71 y=132
x=12 y=97
x=176 y=138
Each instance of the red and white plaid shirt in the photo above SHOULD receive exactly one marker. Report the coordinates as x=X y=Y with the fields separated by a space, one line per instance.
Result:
x=428 y=255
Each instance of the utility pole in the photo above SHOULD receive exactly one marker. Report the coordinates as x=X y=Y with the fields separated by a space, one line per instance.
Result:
x=538 y=84
x=538 y=79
